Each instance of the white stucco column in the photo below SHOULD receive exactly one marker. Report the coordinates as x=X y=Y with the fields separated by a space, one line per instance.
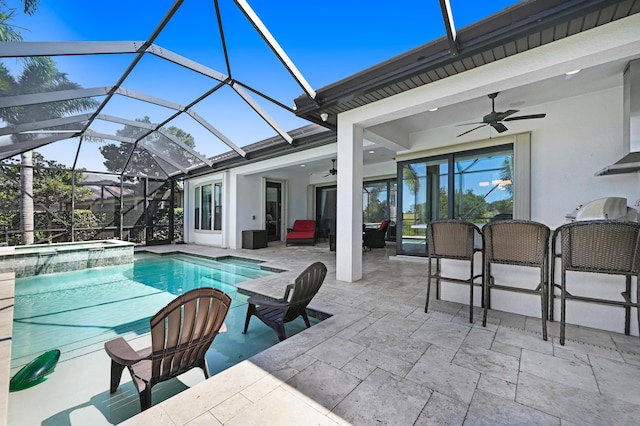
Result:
x=349 y=218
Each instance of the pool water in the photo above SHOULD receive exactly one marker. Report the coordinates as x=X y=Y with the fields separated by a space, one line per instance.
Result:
x=78 y=311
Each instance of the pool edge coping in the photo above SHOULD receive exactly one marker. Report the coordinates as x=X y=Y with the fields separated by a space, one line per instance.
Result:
x=7 y=291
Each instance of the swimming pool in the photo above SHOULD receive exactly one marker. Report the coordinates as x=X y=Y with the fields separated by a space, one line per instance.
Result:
x=78 y=311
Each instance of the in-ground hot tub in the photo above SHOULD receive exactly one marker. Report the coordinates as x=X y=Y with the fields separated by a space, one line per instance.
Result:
x=27 y=261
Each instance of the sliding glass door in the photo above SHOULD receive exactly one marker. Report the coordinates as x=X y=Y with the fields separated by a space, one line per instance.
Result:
x=326 y=207
x=476 y=186
x=379 y=202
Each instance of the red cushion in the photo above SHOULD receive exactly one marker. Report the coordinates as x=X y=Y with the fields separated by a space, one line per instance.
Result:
x=304 y=225
x=383 y=225
x=300 y=235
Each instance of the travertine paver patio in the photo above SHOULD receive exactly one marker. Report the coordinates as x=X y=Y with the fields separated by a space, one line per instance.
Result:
x=381 y=360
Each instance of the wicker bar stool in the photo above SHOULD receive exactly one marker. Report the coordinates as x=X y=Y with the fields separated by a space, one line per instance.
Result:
x=452 y=239
x=603 y=247
x=521 y=243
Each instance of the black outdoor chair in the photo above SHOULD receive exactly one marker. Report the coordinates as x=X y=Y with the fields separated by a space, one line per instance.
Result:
x=276 y=313
x=375 y=238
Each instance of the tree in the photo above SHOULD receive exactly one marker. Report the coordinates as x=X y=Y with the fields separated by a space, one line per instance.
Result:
x=141 y=162
x=411 y=179
x=470 y=206
x=9 y=32
x=39 y=75
x=506 y=174
x=53 y=191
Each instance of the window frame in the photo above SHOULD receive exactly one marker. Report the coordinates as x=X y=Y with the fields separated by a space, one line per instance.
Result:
x=215 y=198
x=521 y=146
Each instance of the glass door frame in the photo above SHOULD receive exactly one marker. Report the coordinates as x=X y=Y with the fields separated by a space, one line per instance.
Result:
x=451 y=192
x=273 y=214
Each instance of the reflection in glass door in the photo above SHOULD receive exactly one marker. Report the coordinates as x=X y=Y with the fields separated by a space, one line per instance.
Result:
x=423 y=198
x=273 y=209
x=326 y=206
x=379 y=204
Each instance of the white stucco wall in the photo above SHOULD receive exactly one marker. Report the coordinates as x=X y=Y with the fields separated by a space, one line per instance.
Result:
x=579 y=136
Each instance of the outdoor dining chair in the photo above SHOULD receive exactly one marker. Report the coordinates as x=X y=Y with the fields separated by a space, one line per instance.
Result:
x=520 y=243
x=455 y=240
x=603 y=247
x=276 y=313
x=181 y=334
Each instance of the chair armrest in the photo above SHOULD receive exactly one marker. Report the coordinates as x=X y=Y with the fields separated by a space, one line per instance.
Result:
x=120 y=351
x=279 y=303
x=287 y=291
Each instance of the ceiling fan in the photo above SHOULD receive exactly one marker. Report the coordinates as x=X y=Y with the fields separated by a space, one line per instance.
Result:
x=333 y=171
x=495 y=119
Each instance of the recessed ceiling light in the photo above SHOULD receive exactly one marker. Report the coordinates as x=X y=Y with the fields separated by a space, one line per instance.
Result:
x=372 y=152
x=302 y=165
x=434 y=109
x=573 y=72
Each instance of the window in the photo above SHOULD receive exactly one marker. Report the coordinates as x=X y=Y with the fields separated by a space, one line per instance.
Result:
x=208 y=207
x=378 y=202
x=476 y=186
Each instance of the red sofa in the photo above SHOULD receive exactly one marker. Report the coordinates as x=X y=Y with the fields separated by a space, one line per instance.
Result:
x=303 y=231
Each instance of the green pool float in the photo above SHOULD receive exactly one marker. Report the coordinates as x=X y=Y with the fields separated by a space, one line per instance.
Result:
x=35 y=372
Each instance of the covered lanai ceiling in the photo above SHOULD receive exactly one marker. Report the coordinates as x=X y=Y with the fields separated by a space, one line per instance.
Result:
x=225 y=110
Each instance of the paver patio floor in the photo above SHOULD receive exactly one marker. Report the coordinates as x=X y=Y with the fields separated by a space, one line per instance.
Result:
x=381 y=360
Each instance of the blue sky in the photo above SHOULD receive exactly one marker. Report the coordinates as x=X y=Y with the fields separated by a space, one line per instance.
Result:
x=327 y=40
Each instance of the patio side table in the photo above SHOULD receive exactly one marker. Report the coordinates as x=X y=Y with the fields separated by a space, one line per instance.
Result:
x=254 y=239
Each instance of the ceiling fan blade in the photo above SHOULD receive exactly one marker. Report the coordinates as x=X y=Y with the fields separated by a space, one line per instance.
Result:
x=469 y=131
x=469 y=124
x=525 y=117
x=502 y=115
x=497 y=116
x=499 y=127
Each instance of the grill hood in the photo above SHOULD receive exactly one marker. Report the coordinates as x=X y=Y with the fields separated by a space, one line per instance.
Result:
x=631 y=122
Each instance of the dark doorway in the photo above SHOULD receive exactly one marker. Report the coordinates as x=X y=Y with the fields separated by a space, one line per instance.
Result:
x=273 y=209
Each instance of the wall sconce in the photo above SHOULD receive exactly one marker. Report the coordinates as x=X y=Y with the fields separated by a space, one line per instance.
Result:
x=324 y=116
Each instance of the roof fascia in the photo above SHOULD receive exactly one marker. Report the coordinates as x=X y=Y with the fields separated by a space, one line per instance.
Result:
x=501 y=28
